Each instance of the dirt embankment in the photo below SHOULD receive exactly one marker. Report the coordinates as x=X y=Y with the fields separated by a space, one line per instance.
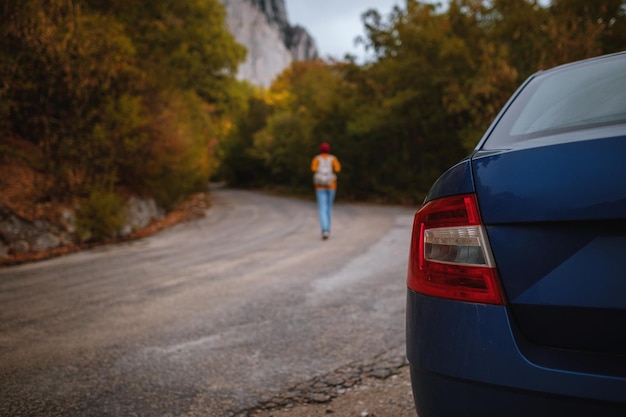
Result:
x=24 y=193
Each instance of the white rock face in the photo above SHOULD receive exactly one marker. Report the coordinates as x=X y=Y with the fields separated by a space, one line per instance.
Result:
x=262 y=27
x=302 y=45
x=267 y=53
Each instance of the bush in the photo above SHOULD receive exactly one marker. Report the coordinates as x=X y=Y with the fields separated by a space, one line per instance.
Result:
x=100 y=216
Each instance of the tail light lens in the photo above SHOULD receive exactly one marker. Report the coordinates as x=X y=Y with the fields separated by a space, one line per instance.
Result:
x=450 y=255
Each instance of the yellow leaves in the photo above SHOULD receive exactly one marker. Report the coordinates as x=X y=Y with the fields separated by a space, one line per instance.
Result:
x=179 y=157
x=275 y=97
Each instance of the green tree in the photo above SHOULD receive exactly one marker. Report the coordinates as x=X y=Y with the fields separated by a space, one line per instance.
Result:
x=405 y=120
x=239 y=166
x=117 y=93
x=61 y=67
x=305 y=101
x=181 y=44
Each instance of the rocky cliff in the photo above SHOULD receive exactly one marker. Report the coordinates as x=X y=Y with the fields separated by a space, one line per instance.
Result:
x=272 y=42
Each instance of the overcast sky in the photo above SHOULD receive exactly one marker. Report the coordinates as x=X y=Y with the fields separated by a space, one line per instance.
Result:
x=335 y=23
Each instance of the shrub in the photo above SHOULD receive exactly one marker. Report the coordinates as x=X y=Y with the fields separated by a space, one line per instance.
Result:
x=100 y=216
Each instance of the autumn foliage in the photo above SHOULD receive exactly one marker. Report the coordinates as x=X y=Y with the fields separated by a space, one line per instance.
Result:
x=435 y=80
x=116 y=94
x=101 y=98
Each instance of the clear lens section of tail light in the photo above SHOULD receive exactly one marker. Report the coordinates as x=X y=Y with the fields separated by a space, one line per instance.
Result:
x=459 y=245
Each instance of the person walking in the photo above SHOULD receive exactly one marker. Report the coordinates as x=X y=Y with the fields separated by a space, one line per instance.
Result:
x=325 y=166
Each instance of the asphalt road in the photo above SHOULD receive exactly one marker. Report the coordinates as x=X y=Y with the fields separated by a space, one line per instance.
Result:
x=207 y=318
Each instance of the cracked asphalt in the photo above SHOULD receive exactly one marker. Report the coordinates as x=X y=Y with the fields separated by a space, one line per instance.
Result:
x=377 y=387
x=244 y=312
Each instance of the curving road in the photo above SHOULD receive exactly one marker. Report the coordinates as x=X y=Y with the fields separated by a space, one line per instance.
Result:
x=206 y=318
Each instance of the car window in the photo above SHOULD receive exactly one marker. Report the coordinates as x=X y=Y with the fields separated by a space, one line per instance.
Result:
x=575 y=97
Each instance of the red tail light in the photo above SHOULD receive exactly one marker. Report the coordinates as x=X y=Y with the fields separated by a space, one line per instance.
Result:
x=450 y=254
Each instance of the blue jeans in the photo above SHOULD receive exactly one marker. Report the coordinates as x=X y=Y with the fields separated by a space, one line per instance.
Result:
x=325 y=199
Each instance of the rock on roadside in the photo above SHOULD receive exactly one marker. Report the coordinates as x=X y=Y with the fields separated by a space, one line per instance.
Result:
x=23 y=240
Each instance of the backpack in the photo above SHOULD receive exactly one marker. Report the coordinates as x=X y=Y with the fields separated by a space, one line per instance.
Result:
x=324 y=175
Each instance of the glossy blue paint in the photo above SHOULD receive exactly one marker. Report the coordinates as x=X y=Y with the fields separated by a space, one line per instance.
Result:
x=471 y=348
x=456 y=180
x=550 y=182
x=583 y=180
x=556 y=219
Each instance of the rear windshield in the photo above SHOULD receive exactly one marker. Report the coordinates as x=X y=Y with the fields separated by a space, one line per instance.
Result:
x=577 y=97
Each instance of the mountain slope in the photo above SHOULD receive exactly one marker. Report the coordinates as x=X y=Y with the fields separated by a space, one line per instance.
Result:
x=272 y=42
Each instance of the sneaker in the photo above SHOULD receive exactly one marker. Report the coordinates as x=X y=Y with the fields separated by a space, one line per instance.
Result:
x=325 y=235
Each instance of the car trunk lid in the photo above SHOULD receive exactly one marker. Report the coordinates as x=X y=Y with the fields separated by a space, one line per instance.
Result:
x=555 y=214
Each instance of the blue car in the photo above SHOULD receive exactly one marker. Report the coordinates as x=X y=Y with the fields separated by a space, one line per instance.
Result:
x=516 y=299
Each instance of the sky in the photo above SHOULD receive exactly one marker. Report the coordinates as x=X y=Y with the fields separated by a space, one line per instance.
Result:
x=334 y=24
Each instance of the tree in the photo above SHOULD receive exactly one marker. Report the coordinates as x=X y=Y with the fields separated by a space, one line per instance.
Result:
x=418 y=56
x=436 y=82
x=119 y=94
x=308 y=109
x=578 y=29
x=62 y=68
